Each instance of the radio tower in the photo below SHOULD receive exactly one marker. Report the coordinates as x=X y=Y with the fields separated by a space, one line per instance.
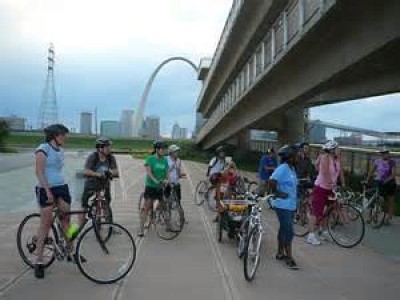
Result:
x=48 y=113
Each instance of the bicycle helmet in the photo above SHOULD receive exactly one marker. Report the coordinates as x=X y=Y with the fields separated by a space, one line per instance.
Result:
x=54 y=130
x=301 y=146
x=220 y=149
x=159 y=145
x=103 y=142
x=384 y=150
x=330 y=145
x=173 y=148
x=287 y=151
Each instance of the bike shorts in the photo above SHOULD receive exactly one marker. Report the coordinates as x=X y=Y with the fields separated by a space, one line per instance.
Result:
x=388 y=189
x=285 y=233
x=151 y=193
x=216 y=178
x=87 y=193
x=320 y=198
x=59 y=192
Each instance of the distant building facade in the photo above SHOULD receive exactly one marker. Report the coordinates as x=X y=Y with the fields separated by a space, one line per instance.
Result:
x=127 y=123
x=110 y=128
x=179 y=133
x=86 y=123
x=15 y=123
x=317 y=132
x=152 y=127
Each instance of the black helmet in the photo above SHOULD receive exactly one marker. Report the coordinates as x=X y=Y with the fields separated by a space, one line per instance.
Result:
x=159 y=145
x=54 y=130
x=287 y=151
x=103 y=142
x=301 y=145
x=220 y=149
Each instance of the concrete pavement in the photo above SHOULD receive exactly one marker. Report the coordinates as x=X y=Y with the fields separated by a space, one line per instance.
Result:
x=195 y=266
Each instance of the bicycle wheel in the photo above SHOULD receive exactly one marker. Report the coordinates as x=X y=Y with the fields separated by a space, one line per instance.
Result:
x=201 y=190
x=377 y=212
x=242 y=237
x=27 y=239
x=102 y=213
x=220 y=227
x=301 y=220
x=105 y=261
x=346 y=225
x=141 y=202
x=252 y=253
x=169 y=220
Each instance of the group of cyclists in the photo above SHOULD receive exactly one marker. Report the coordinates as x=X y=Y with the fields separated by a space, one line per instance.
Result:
x=278 y=177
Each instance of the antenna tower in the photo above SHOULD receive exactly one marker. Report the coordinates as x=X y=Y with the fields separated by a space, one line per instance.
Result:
x=48 y=113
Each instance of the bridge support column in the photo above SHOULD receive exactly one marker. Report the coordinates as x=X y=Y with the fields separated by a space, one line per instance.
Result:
x=294 y=129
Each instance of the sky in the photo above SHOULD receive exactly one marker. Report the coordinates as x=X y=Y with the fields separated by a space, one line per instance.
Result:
x=106 y=50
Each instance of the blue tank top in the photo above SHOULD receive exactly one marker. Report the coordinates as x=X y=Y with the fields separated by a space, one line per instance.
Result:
x=54 y=164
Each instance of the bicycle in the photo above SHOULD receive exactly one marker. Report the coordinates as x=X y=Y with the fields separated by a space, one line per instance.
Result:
x=249 y=238
x=105 y=252
x=301 y=216
x=166 y=216
x=371 y=204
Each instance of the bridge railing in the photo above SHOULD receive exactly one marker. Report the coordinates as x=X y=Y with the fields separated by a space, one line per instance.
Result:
x=293 y=23
x=355 y=160
x=236 y=6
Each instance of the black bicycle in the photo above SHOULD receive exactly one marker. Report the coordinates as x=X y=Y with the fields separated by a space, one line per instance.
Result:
x=105 y=252
x=166 y=216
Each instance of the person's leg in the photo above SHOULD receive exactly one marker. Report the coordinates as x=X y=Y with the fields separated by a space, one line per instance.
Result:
x=391 y=207
x=85 y=205
x=148 y=203
x=288 y=238
x=317 y=212
x=46 y=220
x=281 y=249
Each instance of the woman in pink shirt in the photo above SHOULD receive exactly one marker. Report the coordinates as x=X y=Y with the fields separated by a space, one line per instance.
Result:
x=329 y=171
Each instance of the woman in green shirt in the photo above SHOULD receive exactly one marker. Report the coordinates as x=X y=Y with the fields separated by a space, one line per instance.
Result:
x=156 y=174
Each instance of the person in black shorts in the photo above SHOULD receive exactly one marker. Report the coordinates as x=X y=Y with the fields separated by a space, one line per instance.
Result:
x=97 y=165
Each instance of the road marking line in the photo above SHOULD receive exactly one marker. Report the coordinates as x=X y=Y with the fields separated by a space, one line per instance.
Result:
x=230 y=289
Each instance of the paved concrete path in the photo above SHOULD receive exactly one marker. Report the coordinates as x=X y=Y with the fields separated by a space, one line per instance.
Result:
x=195 y=266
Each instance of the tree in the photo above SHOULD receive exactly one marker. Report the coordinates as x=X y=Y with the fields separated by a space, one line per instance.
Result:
x=4 y=132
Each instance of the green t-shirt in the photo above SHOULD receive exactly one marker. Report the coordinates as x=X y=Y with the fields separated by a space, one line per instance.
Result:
x=159 y=168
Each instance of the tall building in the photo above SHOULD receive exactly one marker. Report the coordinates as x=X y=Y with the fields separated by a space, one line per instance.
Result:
x=86 y=123
x=153 y=127
x=179 y=133
x=317 y=132
x=110 y=129
x=127 y=123
x=15 y=123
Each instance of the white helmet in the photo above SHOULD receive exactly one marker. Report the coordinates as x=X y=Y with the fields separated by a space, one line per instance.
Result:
x=173 y=148
x=330 y=145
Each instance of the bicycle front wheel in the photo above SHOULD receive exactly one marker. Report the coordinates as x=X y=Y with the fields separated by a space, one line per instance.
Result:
x=105 y=261
x=169 y=221
x=27 y=241
x=301 y=220
x=252 y=253
x=201 y=190
x=346 y=225
x=377 y=212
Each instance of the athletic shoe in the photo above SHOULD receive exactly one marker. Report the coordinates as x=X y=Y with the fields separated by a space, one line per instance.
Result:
x=312 y=239
x=39 y=271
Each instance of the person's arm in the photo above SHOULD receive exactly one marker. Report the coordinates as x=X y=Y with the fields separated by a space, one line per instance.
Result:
x=182 y=174
x=39 y=168
x=392 y=173
x=277 y=176
x=114 y=167
x=89 y=165
x=149 y=173
x=210 y=165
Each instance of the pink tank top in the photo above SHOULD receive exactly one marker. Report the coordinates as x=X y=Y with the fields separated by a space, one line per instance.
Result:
x=334 y=172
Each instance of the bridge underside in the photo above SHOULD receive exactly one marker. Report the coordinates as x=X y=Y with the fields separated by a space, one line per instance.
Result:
x=352 y=54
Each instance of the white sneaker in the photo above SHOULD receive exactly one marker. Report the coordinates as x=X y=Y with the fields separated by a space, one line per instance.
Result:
x=324 y=236
x=312 y=239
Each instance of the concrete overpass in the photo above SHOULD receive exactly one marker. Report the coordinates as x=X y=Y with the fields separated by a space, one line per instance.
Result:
x=277 y=57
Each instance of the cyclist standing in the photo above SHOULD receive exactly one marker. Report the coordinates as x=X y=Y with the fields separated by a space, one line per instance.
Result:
x=283 y=183
x=175 y=172
x=385 y=176
x=268 y=164
x=97 y=165
x=305 y=169
x=329 y=172
x=215 y=171
x=51 y=188
x=157 y=173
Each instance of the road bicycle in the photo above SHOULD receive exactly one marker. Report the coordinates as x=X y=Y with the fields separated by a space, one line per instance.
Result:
x=105 y=252
x=166 y=216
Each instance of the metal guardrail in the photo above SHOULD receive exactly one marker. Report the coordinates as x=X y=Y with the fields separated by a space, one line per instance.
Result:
x=289 y=28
